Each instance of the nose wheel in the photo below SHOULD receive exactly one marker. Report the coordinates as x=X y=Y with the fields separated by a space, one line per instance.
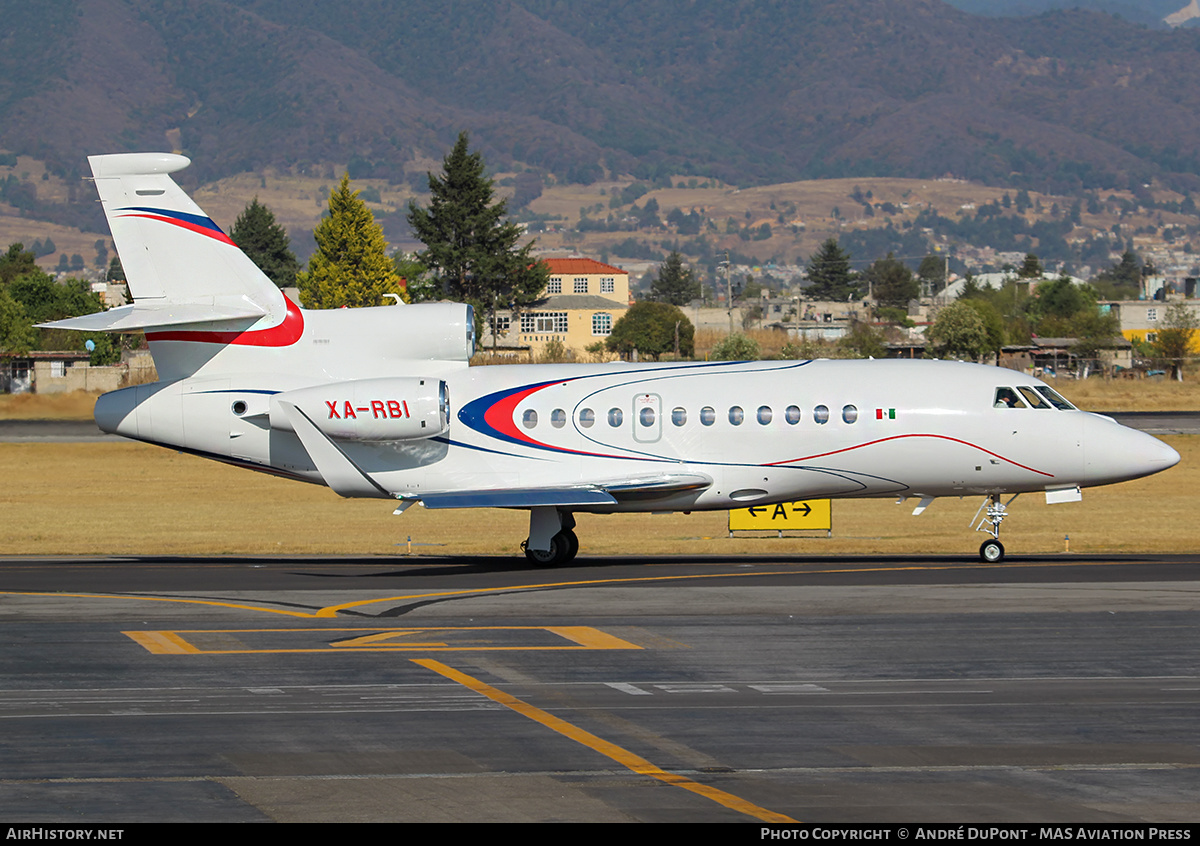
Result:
x=992 y=551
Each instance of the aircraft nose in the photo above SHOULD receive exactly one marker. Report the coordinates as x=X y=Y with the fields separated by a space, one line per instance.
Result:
x=1116 y=453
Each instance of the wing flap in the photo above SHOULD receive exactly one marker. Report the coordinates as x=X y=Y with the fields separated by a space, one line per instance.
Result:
x=610 y=492
x=517 y=498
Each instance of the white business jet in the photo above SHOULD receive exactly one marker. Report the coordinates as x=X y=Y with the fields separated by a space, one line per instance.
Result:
x=381 y=402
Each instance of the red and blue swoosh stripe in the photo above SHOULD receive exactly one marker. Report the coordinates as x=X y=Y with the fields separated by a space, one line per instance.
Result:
x=285 y=334
x=493 y=414
x=197 y=223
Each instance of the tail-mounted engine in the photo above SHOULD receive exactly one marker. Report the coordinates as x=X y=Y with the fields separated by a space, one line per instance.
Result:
x=388 y=409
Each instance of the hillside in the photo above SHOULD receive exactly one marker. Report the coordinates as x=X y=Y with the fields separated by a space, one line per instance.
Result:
x=744 y=91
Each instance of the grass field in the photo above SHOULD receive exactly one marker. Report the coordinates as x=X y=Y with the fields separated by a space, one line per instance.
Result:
x=134 y=499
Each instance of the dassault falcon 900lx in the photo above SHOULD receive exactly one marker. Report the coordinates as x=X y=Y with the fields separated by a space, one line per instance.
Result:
x=381 y=402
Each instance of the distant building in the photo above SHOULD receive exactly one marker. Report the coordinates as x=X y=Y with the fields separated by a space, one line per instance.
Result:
x=1141 y=319
x=48 y=372
x=583 y=299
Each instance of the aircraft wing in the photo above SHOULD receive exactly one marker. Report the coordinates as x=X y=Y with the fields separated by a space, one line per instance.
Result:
x=348 y=479
x=610 y=492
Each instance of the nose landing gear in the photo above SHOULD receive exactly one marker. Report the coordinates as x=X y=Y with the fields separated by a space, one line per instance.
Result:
x=992 y=551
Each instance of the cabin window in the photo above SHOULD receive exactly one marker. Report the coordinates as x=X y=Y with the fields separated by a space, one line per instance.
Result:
x=646 y=416
x=708 y=415
x=587 y=418
x=615 y=417
x=849 y=413
x=764 y=414
x=529 y=418
x=1007 y=398
x=821 y=414
x=736 y=415
x=679 y=416
x=792 y=415
x=558 y=418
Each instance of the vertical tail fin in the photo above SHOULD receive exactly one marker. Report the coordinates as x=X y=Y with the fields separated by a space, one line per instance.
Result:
x=180 y=267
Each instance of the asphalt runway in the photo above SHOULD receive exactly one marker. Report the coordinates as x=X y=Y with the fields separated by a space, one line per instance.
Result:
x=727 y=689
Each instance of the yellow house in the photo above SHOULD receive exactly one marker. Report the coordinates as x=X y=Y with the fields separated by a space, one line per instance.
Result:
x=583 y=299
x=1142 y=319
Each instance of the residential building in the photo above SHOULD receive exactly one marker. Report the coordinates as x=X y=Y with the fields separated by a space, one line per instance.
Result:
x=584 y=298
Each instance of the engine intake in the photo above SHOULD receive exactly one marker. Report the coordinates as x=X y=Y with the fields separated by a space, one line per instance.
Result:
x=388 y=409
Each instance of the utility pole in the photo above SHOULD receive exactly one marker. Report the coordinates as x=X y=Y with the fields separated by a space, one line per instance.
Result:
x=728 y=290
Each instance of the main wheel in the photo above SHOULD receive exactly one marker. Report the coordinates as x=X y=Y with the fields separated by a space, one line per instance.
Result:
x=572 y=544
x=561 y=551
x=992 y=551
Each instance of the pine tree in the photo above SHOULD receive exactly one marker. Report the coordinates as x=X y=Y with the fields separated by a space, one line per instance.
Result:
x=829 y=273
x=468 y=242
x=1031 y=268
x=351 y=266
x=266 y=243
x=675 y=283
x=892 y=284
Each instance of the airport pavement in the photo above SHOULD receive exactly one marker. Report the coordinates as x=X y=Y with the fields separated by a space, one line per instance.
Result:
x=1051 y=688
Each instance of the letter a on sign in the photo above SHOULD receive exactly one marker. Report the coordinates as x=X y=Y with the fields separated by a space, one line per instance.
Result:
x=783 y=517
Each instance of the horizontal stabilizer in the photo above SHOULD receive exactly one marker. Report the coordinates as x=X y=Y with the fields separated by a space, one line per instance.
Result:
x=137 y=317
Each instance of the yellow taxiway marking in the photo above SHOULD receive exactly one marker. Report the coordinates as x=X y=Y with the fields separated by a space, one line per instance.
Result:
x=163 y=643
x=240 y=606
x=331 y=611
x=622 y=756
x=175 y=642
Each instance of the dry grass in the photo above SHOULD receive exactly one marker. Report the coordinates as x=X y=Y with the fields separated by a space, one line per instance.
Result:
x=1099 y=394
x=76 y=405
x=127 y=498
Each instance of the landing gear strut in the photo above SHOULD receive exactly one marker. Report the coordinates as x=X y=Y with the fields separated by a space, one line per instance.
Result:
x=992 y=551
x=551 y=542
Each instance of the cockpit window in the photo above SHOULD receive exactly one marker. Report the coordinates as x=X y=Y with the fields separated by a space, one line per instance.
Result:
x=1007 y=398
x=1030 y=394
x=1055 y=398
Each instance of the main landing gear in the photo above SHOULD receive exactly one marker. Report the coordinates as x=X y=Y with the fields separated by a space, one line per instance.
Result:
x=551 y=540
x=992 y=551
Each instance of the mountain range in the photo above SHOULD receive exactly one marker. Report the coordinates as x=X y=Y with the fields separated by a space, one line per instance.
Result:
x=749 y=91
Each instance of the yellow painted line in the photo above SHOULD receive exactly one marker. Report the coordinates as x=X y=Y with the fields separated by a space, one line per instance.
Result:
x=173 y=642
x=591 y=638
x=236 y=605
x=163 y=643
x=380 y=637
x=622 y=756
x=332 y=611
